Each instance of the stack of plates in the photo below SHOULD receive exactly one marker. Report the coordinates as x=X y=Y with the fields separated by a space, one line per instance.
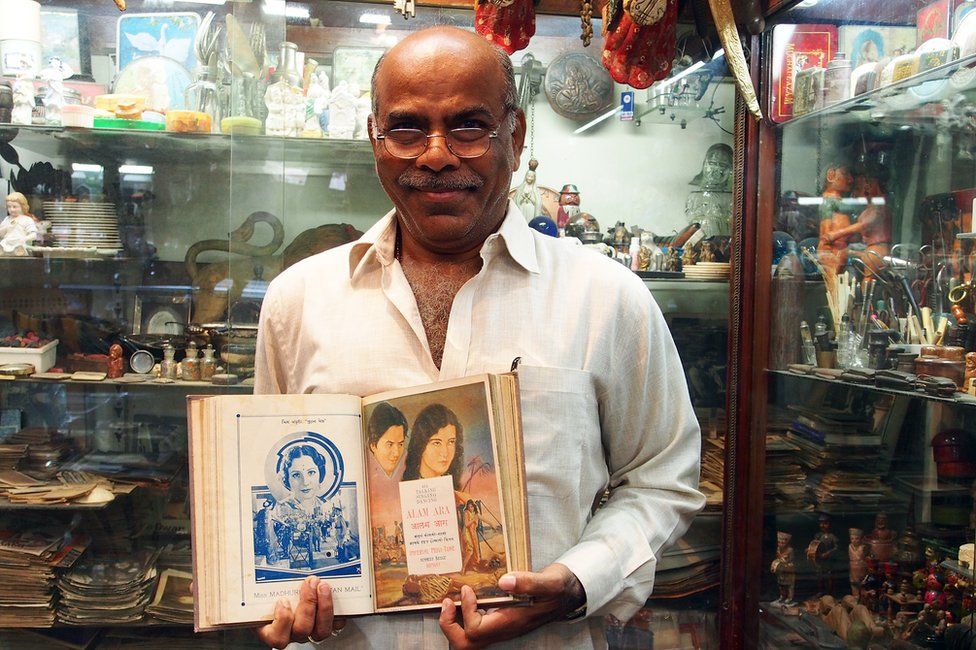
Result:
x=83 y=225
x=707 y=271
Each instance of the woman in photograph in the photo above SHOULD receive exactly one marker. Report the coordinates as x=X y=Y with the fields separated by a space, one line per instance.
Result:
x=298 y=519
x=436 y=447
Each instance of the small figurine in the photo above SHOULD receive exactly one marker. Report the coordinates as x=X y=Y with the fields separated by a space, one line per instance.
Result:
x=569 y=210
x=711 y=205
x=688 y=257
x=671 y=260
x=23 y=112
x=881 y=539
x=115 y=369
x=832 y=249
x=857 y=552
x=873 y=225
x=342 y=112
x=19 y=228
x=54 y=74
x=970 y=368
x=316 y=102
x=286 y=109
x=707 y=252
x=784 y=568
x=820 y=552
x=527 y=194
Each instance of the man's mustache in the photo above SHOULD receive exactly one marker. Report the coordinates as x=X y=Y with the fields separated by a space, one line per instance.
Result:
x=461 y=179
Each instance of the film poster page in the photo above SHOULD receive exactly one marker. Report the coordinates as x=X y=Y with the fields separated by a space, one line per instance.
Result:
x=435 y=514
x=298 y=475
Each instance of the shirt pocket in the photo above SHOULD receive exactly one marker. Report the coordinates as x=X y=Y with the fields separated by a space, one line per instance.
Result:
x=559 y=420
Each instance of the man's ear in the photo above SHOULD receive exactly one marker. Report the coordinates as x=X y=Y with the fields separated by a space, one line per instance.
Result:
x=518 y=137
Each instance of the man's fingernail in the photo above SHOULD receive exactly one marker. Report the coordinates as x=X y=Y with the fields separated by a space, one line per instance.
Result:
x=447 y=602
x=507 y=582
x=313 y=581
x=282 y=604
x=323 y=587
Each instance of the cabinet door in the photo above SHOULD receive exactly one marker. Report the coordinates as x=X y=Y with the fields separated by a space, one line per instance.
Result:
x=866 y=201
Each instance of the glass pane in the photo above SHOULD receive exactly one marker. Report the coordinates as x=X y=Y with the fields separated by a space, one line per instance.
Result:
x=179 y=156
x=869 y=426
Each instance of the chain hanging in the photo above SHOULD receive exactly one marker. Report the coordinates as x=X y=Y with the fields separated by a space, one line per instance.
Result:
x=586 y=21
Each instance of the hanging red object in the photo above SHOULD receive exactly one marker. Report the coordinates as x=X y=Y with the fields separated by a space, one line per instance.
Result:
x=509 y=24
x=639 y=54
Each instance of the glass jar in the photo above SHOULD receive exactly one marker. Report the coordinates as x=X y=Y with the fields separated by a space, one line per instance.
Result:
x=190 y=366
x=208 y=365
x=167 y=369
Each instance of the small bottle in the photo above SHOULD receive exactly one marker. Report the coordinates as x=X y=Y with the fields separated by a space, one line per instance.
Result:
x=208 y=365
x=190 y=366
x=167 y=369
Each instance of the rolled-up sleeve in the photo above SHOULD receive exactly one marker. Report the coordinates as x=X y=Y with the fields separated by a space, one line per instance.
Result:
x=652 y=446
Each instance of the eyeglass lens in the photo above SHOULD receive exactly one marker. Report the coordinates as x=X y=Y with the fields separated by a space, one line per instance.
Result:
x=463 y=143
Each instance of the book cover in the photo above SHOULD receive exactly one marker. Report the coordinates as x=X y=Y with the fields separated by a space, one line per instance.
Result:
x=397 y=500
x=796 y=48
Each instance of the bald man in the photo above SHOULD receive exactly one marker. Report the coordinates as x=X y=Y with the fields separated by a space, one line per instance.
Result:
x=451 y=283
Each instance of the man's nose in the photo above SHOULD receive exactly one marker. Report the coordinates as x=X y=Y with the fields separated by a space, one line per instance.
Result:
x=437 y=155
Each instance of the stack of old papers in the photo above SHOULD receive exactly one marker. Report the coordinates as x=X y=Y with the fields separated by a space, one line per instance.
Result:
x=28 y=564
x=107 y=590
x=11 y=455
x=46 y=448
x=786 y=480
x=841 y=489
x=65 y=487
x=173 y=601
x=713 y=473
x=693 y=563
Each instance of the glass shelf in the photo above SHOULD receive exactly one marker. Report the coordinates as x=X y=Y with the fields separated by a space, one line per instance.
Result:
x=119 y=145
x=961 y=399
x=902 y=97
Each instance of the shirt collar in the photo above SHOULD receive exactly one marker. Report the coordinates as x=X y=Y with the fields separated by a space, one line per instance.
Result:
x=378 y=243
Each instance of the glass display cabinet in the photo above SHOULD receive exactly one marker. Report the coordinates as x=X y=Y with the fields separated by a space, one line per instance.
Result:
x=864 y=354
x=174 y=159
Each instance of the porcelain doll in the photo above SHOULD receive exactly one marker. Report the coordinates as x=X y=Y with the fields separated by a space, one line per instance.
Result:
x=286 y=109
x=881 y=539
x=23 y=111
x=569 y=206
x=820 y=552
x=18 y=229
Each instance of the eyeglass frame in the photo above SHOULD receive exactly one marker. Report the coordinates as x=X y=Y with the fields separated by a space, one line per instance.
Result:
x=492 y=135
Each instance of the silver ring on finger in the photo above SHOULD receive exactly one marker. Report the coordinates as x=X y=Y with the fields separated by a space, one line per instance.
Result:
x=317 y=643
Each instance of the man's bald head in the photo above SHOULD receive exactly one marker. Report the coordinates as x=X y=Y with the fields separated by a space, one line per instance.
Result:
x=450 y=40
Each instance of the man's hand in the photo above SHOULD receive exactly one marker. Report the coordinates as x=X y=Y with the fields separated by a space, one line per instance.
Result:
x=555 y=592
x=312 y=619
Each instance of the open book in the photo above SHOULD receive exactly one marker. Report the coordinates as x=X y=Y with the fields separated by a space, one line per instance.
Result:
x=397 y=499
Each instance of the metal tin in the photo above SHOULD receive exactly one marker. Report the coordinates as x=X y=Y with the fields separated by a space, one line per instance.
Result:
x=17 y=369
x=142 y=362
x=808 y=91
x=837 y=79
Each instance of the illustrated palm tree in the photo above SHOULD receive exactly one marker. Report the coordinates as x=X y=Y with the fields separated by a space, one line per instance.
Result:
x=475 y=467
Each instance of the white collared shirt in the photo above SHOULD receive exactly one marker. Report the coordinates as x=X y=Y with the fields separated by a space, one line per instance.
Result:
x=604 y=400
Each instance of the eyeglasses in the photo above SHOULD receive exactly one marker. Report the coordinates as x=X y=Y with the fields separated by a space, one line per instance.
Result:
x=462 y=142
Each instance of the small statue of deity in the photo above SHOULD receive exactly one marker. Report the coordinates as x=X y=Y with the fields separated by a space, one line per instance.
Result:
x=115 y=369
x=688 y=256
x=707 y=252
x=784 y=568
x=672 y=262
x=711 y=204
